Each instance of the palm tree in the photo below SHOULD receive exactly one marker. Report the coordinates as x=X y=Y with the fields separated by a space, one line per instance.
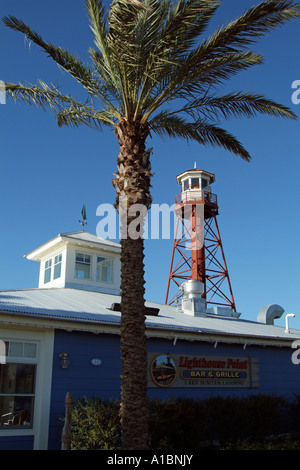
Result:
x=151 y=71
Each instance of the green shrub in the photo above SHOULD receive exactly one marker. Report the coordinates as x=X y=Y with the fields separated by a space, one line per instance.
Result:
x=253 y=417
x=95 y=425
x=184 y=424
x=176 y=424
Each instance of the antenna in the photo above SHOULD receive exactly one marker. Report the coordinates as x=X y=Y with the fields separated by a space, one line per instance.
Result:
x=83 y=215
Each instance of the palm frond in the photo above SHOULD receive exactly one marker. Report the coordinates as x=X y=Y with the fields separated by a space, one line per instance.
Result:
x=201 y=131
x=256 y=22
x=123 y=39
x=105 y=66
x=223 y=55
x=111 y=94
x=184 y=81
x=67 y=109
x=77 y=115
x=235 y=105
x=185 y=22
x=145 y=43
x=63 y=57
x=177 y=28
x=42 y=95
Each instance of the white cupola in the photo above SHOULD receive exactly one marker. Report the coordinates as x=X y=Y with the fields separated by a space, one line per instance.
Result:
x=79 y=260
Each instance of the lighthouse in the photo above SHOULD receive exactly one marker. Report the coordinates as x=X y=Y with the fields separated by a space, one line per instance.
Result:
x=198 y=270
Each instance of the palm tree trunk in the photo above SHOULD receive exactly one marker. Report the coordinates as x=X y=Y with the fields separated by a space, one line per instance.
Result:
x=132 y=185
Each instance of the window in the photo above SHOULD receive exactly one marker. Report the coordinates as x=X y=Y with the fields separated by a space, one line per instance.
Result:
x=194 y=183
x=186 y=185
x=104 y=269
x=57 y=267
x=204 y=183
x=47 y=274
x=17 y=384
x=83 y=266
x=56 y=262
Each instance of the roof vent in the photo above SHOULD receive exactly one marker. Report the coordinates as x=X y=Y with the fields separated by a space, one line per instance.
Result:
x=223 y=312
x=192 y=302
x=269 y=313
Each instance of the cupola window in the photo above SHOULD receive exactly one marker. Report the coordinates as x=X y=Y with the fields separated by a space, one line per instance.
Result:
x=83 y=266
x=57 y=267
x=54 y=263
x=104 y=269
x=204 y=183
x=48 y=269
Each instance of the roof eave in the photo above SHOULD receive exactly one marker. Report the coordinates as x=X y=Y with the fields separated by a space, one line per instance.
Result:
x=152 y=331
x=62 y=240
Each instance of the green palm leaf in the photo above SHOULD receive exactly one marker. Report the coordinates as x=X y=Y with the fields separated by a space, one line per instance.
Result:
x=235 y=105
x=201 y=131
x=41 y=95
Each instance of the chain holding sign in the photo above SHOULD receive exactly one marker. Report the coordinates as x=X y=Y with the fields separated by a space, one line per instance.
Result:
x=179 y=371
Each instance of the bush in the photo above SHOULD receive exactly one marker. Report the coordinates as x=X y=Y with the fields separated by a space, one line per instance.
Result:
x=176 y=424
x=95 y=425
x=185 y=424
x=253 y=417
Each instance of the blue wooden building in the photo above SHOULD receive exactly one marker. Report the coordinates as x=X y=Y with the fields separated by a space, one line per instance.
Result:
x=64 y=336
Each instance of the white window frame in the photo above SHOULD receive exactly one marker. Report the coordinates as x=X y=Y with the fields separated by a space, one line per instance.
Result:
x=48 y=268
x=110 y=260
x=57 y=262
x=43 y=380
x=50 y=264
x=21 y=359
x=90 y=264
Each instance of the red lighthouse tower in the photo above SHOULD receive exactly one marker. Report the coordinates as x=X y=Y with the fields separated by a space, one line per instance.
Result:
x=197 y=250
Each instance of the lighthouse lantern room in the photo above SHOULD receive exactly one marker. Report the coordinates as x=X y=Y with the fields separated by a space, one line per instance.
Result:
x=195 y=181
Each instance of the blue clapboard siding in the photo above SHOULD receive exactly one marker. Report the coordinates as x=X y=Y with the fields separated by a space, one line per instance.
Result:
x=16 y=443
x=81 y=378
x=278 y=375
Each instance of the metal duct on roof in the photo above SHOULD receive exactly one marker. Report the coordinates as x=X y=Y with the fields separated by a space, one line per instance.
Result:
x=269 y=313
x=192 y=301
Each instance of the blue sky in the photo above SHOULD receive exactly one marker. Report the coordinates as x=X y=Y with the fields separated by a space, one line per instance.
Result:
x=47 y=173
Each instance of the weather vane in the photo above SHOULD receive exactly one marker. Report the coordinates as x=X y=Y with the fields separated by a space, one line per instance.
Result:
x=83 y=215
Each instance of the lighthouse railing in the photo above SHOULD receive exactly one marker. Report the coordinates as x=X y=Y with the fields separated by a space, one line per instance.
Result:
x=196 y=195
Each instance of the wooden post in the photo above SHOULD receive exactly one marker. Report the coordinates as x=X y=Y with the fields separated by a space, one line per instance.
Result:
x=66 y=432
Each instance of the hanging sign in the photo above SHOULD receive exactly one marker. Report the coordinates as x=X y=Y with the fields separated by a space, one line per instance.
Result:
x=175 y=370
